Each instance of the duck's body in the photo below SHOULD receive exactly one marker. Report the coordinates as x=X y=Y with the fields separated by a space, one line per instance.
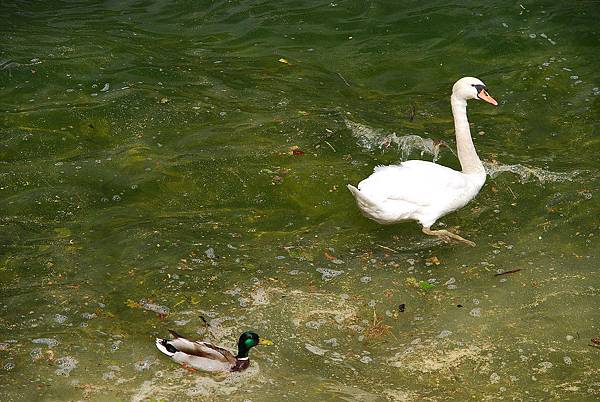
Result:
x=208 y=357
x=424 y=191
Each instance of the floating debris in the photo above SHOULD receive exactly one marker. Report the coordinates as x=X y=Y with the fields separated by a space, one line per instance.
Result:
x=148 y=305
x=295 y=150
x=433 y=260
x=512 y=271
x=315 y=349
x=333 y=259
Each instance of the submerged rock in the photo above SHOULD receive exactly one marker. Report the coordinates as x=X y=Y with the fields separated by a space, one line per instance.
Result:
x=329 y=274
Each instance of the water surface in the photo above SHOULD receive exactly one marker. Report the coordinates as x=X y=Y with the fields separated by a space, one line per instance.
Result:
x=148 y=176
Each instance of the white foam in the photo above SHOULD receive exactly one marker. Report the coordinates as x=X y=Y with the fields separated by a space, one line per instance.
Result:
x=527 y=174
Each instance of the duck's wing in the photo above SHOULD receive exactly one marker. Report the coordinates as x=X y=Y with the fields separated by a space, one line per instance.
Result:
x=201 y=349
x=416 y=182
x=224 y=353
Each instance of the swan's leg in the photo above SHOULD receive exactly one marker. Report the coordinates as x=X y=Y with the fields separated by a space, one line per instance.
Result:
x=447 y=236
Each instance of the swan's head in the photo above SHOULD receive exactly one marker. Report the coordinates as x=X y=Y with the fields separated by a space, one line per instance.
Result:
x=472 y=88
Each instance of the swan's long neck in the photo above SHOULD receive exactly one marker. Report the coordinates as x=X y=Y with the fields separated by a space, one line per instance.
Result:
x=469 y=161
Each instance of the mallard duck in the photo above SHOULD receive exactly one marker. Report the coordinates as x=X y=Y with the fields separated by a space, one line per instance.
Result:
x=424 y=191
x=208 y=357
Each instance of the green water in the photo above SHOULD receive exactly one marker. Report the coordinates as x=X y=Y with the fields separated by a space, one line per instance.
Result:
x=147 y=167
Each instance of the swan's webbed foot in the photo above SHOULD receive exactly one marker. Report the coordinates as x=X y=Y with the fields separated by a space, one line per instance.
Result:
x=447 y=236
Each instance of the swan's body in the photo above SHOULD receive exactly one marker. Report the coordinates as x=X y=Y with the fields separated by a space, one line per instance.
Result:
x=424 y=191
x=427 y=192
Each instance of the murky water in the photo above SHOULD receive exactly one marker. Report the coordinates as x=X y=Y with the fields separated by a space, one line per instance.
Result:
x=148 y=177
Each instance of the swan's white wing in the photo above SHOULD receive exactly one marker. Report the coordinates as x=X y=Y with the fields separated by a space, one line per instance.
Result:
x=415 y=182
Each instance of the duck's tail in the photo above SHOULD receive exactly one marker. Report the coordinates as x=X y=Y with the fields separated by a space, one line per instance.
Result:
x=362 y=200
x=164 y=346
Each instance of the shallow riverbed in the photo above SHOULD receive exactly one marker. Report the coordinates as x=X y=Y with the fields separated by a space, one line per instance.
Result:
x=165 y=160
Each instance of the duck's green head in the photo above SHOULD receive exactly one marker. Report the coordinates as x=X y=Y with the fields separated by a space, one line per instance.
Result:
x=247 y=341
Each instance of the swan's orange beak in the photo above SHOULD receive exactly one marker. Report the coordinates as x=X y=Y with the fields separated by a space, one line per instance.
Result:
x=483 y=95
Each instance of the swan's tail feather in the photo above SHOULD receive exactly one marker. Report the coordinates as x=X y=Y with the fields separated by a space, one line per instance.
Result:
x=361 y=199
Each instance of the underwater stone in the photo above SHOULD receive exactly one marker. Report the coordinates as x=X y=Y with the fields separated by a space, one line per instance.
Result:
x=315 y=324
x=36 y=354
x=333 y=342
x=47 y=341
x=144 y=364
x=329 y=274
x=61 y=319
x=210 y=253
x=66 y=365
x=476 y=312
x=544 y=366
x=445 y=333
x=366 y=359
x=259 y=297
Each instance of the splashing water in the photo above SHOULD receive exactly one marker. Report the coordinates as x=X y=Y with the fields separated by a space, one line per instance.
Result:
x=370 y=139
x=526 y=174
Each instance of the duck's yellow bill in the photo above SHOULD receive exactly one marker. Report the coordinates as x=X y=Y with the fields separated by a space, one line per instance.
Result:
x=264 y=341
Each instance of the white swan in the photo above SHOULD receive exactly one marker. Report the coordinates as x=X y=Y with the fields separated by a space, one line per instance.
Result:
x=425 y=191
